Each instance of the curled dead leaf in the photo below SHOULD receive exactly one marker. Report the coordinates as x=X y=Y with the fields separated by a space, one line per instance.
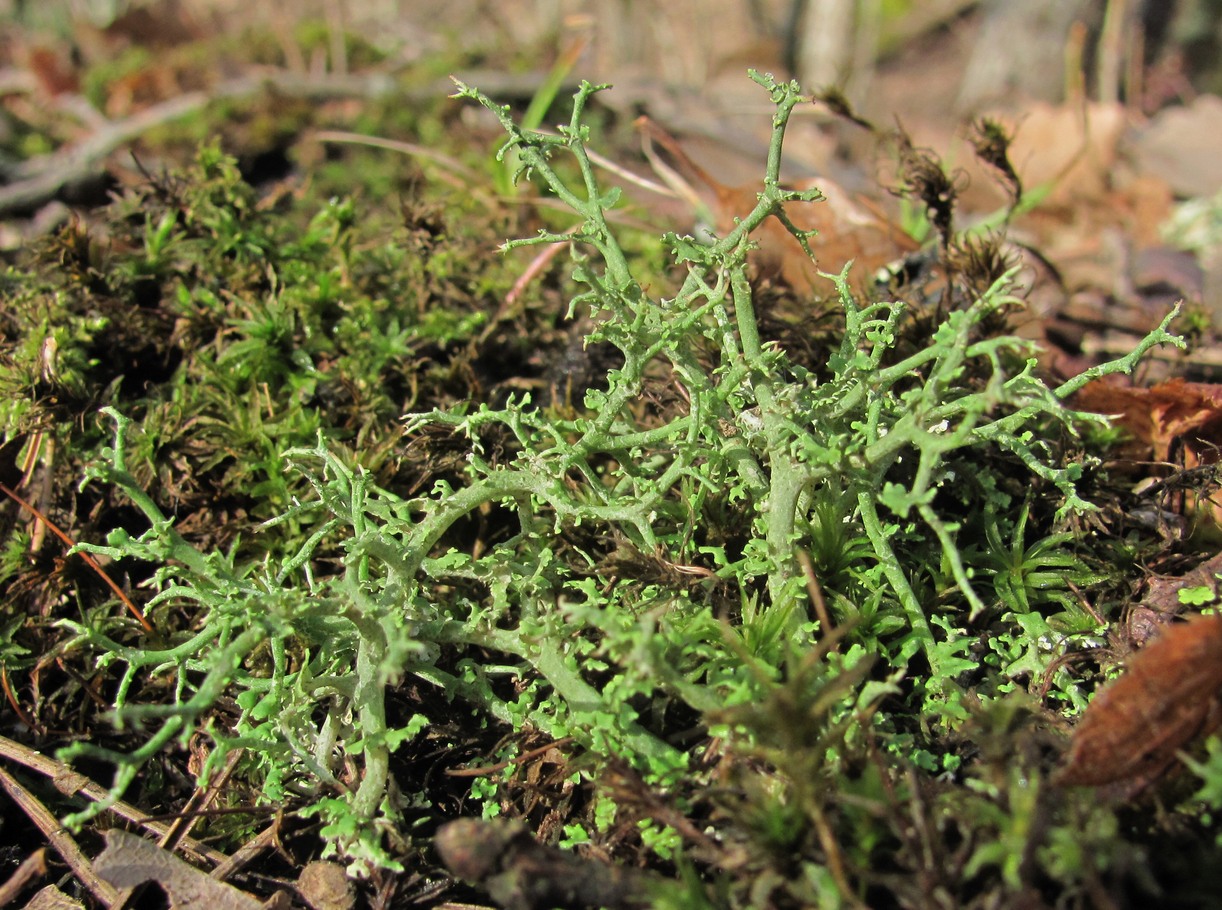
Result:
x=129 y=861
x=1161 y=415
x=1172 y=421
x=1166 y=697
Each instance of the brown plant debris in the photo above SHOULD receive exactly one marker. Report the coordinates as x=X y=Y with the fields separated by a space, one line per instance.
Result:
x=1167 y=696
x=519 y=873
x=129 y=861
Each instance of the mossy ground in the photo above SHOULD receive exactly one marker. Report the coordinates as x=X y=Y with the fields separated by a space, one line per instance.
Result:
x=236 y=308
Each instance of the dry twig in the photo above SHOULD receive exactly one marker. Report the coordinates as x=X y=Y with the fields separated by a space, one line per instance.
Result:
x=59 y=839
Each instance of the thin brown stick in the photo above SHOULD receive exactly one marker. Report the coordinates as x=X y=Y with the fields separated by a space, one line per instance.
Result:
x=70 y=783
x=39 y=179
x=183 y=822
x=199 y=802
x=89 y=687
x=537 y=265
x=13 y=703
x=246 y=854
x=211 y=813
x=629 y=176
x=32 y=867
x=447 y=163
x=59 y=839
x=834 y=855
x=678 y=182
x=815 y=591
x=1109 y=63
x=33 y=453
x=89 y=560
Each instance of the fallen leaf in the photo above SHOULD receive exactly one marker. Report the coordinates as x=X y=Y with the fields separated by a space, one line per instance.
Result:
x=1174 y=421
x=129 y=861
x=848 y=228
x=1070 y=149
x=51 y=898
x=1176 y=144
x=1162 y=414
x=53 y=72
x=1166 y=697
x=1160 y=603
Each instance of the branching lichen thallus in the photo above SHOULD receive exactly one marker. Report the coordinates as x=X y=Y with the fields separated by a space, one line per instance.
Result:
x=759 y=427
x=759 y=433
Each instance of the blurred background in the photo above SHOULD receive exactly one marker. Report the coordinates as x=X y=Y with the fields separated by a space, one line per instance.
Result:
x=1113 y=103
x=1003 y=51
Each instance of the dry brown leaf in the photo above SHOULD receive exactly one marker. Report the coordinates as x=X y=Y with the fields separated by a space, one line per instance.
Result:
x=1162 y=414
x=1173 y=421
x=1180 y=143
x=51 y=898
x=1166 y=697
x=129 y=861
x=1073 y=145
x=847 y=228
x=52 y=71
x=1094 y=202
x=1160 y=603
